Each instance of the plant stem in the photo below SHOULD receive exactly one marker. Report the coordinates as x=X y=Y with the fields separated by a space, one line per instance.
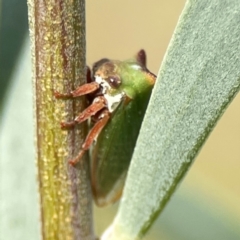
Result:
x=57 y=31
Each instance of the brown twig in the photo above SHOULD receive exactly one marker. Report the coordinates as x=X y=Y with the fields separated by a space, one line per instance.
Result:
x=57 y=31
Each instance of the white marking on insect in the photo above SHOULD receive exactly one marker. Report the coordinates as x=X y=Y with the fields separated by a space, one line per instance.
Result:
x=112 y=100
x=101 y=116
x=136 y=67
x=104 y=84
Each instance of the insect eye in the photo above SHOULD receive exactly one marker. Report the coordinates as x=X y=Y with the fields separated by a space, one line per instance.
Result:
x=114 y=81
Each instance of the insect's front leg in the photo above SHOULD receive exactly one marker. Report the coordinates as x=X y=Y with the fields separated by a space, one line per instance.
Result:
x=80 y=91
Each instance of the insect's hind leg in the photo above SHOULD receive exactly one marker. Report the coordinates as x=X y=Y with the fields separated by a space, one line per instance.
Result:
x=92 y=135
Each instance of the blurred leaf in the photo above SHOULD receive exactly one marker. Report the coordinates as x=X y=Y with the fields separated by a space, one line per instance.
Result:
x=19 y=211
x=13 y=29
x=199 y=77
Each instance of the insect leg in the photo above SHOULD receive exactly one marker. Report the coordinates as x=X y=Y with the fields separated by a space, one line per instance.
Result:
x=62 y=95
x=92 y=135
x=80 y=91
x=98 y=104
x=85 y=89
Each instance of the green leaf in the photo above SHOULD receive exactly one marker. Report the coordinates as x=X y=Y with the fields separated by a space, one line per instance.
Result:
x=199 y=77
x=19 y=212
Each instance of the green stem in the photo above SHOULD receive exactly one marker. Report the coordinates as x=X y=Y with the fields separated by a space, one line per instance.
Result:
x=57 y=31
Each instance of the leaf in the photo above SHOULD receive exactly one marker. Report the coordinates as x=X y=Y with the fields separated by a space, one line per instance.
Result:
x=199 y=77
x=19 y=212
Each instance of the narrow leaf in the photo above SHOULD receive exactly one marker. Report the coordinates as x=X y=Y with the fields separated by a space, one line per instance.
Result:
x=199 y=77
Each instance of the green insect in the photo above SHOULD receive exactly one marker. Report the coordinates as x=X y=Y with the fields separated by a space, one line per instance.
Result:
x=119 y=93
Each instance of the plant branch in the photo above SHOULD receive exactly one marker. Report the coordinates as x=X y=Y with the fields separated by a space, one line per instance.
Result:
x=57 y=31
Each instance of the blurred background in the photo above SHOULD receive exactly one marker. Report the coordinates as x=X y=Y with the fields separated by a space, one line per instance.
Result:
x=206 y=204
